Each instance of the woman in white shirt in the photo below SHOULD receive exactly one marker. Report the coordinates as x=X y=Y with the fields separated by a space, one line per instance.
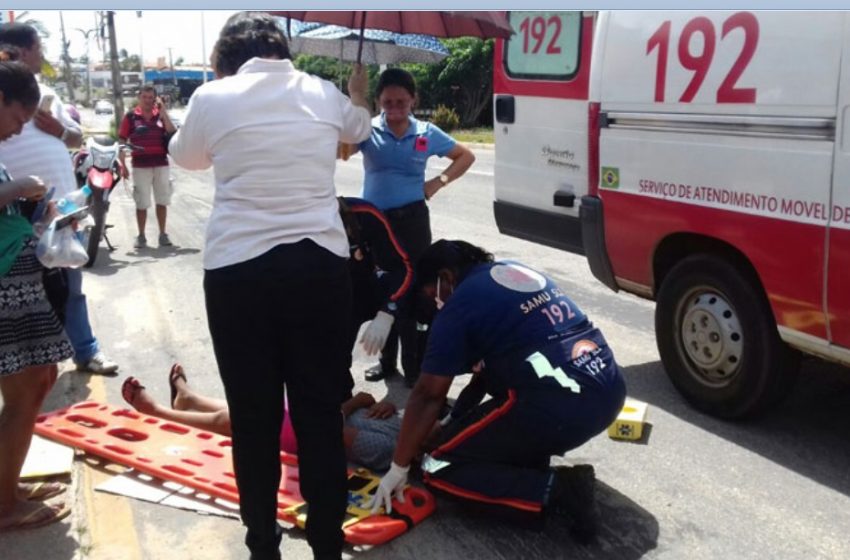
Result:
x=277 y=288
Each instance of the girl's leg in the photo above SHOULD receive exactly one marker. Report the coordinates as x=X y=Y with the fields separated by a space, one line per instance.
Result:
x=187 y=399
x=136 y=395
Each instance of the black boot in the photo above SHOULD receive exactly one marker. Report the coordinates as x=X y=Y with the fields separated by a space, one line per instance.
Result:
x=573 y=495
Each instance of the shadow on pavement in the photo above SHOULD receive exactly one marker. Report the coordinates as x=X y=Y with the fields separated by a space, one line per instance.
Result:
x=106 y=264
x=53 y=541
x=71 y=387
x=807 y=432
x=627 y=532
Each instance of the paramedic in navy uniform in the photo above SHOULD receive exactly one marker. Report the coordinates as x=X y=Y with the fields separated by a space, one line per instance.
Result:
x=551 y=375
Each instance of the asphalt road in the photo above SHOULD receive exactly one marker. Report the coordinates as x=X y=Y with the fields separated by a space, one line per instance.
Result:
x=698 y=488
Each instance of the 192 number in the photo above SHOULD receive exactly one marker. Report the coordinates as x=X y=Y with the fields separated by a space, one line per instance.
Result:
x=536 y=29
x=699 y=63
x=556 y=315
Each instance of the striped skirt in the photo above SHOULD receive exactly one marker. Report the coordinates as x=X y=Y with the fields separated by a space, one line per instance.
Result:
x=30 y=332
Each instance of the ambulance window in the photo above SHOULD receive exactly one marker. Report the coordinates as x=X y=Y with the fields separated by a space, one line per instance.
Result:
x=545 y=45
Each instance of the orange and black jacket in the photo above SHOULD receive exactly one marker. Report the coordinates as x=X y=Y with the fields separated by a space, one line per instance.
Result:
x=379 y=264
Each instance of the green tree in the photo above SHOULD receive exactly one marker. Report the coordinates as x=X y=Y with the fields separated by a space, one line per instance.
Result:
x=332 y=70
x=468 y=74
x=328 y=68
x=130 y=63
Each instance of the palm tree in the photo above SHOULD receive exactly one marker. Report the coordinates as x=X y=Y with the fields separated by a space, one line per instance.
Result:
x=47 y=69
x=23 y=17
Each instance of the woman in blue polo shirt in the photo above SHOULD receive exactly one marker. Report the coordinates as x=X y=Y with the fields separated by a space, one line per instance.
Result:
x=394 y=159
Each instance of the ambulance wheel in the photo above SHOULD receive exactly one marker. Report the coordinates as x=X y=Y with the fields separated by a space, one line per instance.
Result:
x=718 y=340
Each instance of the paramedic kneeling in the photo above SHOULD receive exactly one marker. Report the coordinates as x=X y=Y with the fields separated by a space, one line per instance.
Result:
x=552 y=380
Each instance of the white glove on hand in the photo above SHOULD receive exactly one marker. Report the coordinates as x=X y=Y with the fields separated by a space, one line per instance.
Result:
x=392 y=483
x=377 y=332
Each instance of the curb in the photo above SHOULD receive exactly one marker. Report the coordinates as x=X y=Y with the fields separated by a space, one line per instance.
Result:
x=107 y=519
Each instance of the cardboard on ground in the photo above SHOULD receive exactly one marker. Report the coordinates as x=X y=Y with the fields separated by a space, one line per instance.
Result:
x=46 y=458
x=140 y=486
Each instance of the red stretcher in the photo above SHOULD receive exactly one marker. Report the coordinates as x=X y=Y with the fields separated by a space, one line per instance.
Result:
x=202 y=460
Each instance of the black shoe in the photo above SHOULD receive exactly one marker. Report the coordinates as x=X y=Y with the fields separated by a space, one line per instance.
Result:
x=573 y=496
x=377 y=372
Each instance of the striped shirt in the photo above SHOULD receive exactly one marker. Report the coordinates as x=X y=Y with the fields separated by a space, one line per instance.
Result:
x=34 y=152
x=153 y=140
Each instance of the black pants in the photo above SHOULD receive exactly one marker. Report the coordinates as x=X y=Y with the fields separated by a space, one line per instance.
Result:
x=282 y=319
x=412 y=226
x=498 y=453
x=366 y=302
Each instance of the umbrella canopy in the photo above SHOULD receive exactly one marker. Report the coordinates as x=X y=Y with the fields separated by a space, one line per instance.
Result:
x=379 y=47
x=437 y=23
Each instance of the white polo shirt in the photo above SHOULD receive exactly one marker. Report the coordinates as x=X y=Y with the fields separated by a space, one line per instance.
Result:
x=34 y=152
x=270 y=132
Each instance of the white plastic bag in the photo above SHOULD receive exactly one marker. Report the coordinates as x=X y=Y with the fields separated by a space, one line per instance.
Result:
x=59 y=247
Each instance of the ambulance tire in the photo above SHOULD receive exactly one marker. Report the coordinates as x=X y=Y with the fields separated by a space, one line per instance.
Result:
x=745 y=366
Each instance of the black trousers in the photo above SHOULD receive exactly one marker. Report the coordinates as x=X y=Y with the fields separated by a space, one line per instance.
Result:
x=366 y=302
x=412 y=226
x=277 y=320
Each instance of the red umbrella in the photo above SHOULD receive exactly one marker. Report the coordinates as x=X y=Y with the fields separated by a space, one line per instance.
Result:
x=436 y=23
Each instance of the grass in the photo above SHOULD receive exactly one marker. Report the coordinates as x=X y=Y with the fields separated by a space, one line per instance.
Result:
x=473 y=135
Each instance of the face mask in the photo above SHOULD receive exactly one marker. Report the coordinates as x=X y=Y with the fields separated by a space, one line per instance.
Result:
x=440 y=303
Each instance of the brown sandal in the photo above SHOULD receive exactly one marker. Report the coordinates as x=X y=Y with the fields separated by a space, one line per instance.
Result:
x=40 y=491
x=173 y=375
x=129 y=389
x=45 y=514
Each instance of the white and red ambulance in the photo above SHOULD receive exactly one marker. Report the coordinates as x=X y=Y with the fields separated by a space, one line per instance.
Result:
x=714 y=178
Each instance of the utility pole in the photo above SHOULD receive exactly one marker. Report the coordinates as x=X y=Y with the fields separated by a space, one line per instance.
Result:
x=116 y=69
x=171 y=63
x=141 y=46
x=204 y=56
x=86 y=34
x=69 y=77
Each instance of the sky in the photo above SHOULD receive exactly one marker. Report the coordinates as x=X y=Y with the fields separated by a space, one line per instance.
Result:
x=154 y=32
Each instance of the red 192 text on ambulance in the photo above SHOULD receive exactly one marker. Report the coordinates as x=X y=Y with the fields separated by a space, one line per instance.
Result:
x=699 y=159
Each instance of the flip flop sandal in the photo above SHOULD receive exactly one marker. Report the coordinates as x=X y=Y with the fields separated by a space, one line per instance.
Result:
x=40 y=491
x=173 y=375
x=130 y=388
x=38 y=518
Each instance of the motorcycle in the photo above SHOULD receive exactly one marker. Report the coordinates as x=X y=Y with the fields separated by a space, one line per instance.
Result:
x=98 y=165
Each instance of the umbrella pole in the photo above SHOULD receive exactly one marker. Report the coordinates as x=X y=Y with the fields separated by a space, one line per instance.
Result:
x=362 y=28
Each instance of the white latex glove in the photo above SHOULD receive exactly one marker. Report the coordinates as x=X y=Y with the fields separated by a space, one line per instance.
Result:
x=392 y=483
x=377 y=332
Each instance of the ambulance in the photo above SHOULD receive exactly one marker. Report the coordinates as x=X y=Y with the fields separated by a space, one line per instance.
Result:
x=697 y=159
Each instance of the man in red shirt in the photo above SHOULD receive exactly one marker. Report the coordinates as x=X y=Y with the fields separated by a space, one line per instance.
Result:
x=149 y=127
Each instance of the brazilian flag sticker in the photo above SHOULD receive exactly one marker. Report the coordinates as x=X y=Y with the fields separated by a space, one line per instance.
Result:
x=610 y=177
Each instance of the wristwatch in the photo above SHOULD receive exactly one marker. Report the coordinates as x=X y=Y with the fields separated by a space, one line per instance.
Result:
x=65 y=134
x=444 y=179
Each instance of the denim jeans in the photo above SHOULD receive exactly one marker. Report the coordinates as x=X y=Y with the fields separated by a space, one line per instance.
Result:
x=77 y=324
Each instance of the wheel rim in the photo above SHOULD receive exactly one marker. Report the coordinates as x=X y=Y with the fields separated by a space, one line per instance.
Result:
x=711 y=336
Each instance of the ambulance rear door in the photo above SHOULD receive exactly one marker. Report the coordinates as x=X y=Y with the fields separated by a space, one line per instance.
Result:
x=540 y=112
